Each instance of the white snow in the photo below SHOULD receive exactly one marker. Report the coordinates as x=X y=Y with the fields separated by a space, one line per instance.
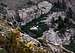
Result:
x=34 y=28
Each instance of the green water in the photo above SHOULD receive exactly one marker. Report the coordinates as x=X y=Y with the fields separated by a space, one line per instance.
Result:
x=36 y=22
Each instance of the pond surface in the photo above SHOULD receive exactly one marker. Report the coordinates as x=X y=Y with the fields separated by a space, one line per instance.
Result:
x=34 y=23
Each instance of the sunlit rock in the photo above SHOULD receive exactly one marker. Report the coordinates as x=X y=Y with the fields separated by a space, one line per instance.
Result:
x=45 y=6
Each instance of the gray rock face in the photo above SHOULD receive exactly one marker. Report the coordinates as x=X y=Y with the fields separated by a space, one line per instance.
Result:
x=45 y=6
x=13 y=4
x=28 y=14
x=53 y=37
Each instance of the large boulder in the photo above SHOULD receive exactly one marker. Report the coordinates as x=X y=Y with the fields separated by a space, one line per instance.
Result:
x=45 y=6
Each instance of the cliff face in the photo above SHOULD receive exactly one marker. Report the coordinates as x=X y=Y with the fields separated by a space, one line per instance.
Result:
x=10 y=3
x=19 y=3
x=13 y=4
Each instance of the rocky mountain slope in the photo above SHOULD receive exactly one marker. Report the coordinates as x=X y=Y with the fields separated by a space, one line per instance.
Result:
x=43 y=25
